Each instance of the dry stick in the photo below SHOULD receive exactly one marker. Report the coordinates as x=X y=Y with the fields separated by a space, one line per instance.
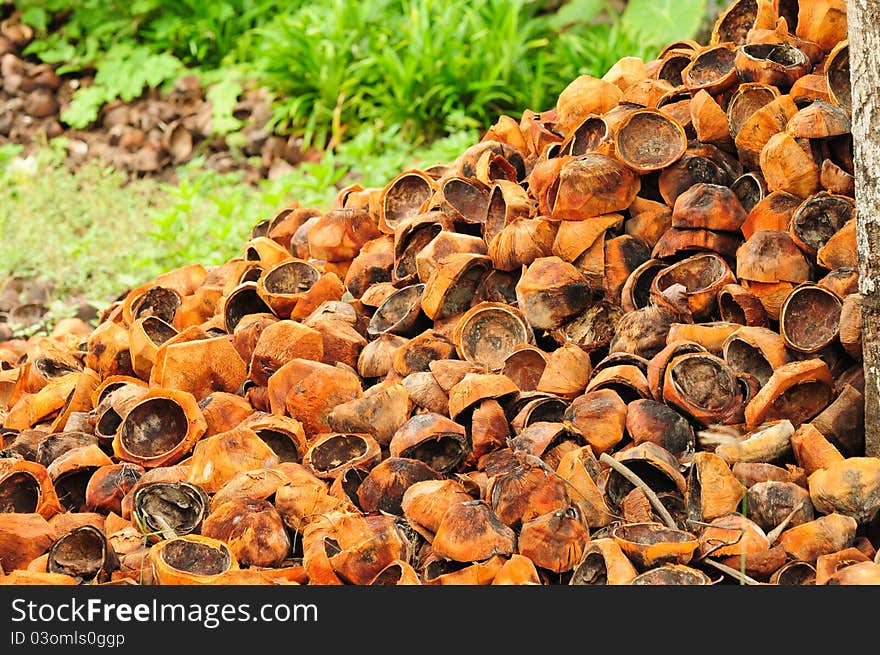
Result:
x=778 y=530
x=605 y=458
x=742 y=577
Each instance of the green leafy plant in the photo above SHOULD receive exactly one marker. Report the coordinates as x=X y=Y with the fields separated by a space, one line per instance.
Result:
x=124 y=73
x=663 y=21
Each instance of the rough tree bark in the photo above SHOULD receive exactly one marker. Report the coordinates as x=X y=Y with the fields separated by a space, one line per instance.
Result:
x=863 y=17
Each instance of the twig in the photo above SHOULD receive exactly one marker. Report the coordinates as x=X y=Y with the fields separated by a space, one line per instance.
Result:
x=605 y=458
x=742 y=577
x=779 y=529
x=723 y=544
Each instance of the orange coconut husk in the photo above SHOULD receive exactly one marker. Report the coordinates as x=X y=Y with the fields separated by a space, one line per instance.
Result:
x=760 y=125
x=217 y=459
x=592 y=185
x=330 y=453
x=223 y=411
x=283 y=286
x=79 y=400
x=381 y=411
x=252 y=529
x=755 y=350
x=773 y=212
x=404 y=197
x=304 y=498
x=796 y=391
x=600 y=416
x=650 y=544
x=822 y=22
x=702 y=386
x=436 y=571
x=736 y=305
x=518 y=570
x=787 y=167
x=822 y=536
x=470 y=531
x=190 y=560
x=710 y=120
x=452 y=284
x=848 y=486
x=199 y=367
x=160 y=429
x=584 y=491
x=425 y=503
x=25 y=487
x=603 y=562
x=711 y=69
x=23 y=537
x=836 y=180
x=648 y=220
x=584 y=96
x=828 y=566
x=713 y=491
x=307 y=391
x=281 y=342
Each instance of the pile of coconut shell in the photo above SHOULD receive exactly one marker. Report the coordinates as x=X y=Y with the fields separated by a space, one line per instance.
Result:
x=616 y=342
x=151 y=134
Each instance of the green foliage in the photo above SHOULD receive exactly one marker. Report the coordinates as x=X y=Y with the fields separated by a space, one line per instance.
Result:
x=195 y=31
x=223 y=95
x=342 y=64
x=124 y=72
x=417 y=68
x=663 y=21
x=96 y=232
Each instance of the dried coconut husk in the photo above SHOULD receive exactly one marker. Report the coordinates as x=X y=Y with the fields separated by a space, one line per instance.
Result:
x=797 y=391
x=444 y=245
x=771 y=442
x=735 y=22
x=648 y=420
x=43 y=405
x=603 y=562
x=217 y=459
x=308 y=391
x=776 y=64
x=712 y=69
x=824 y=535
x=551 y=291
x=584 y=96
x=23 y=537
x=840 y=250
x=453 y=283
x=646 y=140
x=489 y=430
x=425 y=503
x=747 y=101
x=160 y=429
x=488 y=333
x=787 y=167
x=591 y=185
x=702 y=386
x=818 y=219
x=750 y=188
x=713 y=491
x=755 y=350
x=440 y=443
x=710 y=121
x=737 y=305
x=25 y=487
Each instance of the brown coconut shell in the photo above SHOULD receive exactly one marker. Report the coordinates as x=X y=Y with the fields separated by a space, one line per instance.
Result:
x=160 y=429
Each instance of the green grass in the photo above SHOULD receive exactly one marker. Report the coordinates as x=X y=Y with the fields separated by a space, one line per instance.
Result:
x=96 y=232
x=425 y=68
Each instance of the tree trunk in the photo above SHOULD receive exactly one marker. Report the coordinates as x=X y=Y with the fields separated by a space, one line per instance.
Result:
x=863 y=18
